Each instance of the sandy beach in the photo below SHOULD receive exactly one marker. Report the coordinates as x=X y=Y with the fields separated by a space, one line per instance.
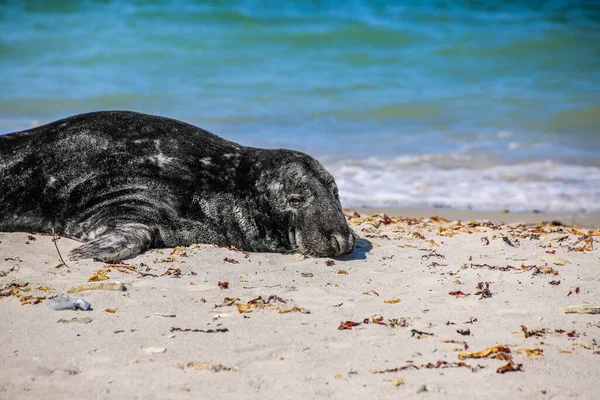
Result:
x=425 y=307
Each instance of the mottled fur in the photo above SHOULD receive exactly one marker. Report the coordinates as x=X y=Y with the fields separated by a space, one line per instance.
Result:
x=124 y=182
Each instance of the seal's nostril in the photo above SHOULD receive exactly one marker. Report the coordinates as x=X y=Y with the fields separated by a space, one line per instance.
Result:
x=341 y=244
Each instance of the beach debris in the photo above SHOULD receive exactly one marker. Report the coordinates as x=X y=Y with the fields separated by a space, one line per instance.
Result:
x=471 y=321
x=275 y=298
x=510 y=367
x=329 y=263
x=490 y=351
x=111 y=310
x=260 y=303
x=223 y=285
x=200 y=365
x=484 y=290
x=459 y=293
x=587 y=244
x=397 y=381
x=12 y=288
x=230 y=260
x=531 y=353
x=401 y=322
x=432 y=253
x=100 y=275
x=306 y=274
x=44 y=288
x=462 y=342
x=55 y=239
x=386 y=219
x=17 y=289
x=375 y=319
x=419 y=334
x=533 y=332
x=418 y=235
x=371 y=292
x=155 y=350
x=66 y=303
x=180 y=251
x=436 y=264
x=490 y=267
x=583 y=309
x=392 y=301
x=217 y=330
x=440 y=364
x=284 y=310
x=342 y=272
x=84 y=320
x=464 y=332
x=165 y=315
x=227 y=301
x=554 y=283
x=507 y=241
x=576 y=290
x=348 y=325
x=172 y=272
x=485 y=241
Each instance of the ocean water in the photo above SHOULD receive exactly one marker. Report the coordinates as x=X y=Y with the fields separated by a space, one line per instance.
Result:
x=466 y=104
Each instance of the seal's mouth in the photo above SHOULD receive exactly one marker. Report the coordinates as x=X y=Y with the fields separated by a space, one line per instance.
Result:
x=292 y=238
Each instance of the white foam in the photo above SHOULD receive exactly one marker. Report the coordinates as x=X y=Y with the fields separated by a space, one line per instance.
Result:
x=462 y=181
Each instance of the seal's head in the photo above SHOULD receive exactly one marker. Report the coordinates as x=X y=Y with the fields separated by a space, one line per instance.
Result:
x=304 y=202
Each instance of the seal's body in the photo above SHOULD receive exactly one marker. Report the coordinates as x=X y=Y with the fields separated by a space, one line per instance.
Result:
x=124 y=182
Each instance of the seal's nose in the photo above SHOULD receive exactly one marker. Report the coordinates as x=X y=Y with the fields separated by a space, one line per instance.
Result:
x=342 y=245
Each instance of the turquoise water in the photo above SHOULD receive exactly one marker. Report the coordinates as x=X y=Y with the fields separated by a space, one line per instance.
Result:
x=465 y=104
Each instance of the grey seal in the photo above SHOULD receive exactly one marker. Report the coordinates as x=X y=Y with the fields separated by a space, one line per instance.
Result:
x=123 y=182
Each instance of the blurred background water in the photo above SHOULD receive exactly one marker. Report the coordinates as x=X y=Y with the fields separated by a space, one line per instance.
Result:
x=466 y=104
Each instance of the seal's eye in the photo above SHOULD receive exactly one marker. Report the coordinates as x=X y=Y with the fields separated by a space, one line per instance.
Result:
x=296 y=201
x=336 y=194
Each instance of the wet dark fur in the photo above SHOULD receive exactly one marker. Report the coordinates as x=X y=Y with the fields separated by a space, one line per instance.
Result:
x=124 y=182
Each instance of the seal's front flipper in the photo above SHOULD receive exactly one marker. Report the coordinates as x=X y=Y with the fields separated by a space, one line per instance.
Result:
x=117 y=244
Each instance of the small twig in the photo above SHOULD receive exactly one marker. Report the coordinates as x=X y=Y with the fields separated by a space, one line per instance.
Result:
x=54 y=239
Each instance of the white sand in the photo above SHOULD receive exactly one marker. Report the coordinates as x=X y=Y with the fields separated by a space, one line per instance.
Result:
x=267 y=354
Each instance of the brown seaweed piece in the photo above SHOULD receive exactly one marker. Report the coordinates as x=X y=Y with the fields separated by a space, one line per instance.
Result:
x=484 y=353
